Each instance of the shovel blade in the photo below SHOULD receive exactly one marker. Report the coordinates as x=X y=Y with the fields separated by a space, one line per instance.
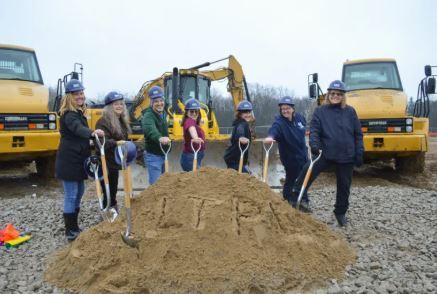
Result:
x=129 y=240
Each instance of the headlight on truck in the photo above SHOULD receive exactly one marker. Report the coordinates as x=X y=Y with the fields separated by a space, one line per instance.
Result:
x=409 y=129
x=52 y=117
x=52 y=126
x=409 y=121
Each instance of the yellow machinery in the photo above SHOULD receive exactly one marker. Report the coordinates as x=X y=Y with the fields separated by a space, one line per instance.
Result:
x=28 y=131
x=183 y=84
x=375 y=90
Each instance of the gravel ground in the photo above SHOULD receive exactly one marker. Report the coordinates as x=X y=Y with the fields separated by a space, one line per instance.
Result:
x=393 y=230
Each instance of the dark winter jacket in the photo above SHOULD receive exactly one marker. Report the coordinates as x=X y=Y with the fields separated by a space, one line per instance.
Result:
x=337 y=132
x=154 y=127
x=290 y=136
x=110 y=141
x=74 y=147
x=232 y=153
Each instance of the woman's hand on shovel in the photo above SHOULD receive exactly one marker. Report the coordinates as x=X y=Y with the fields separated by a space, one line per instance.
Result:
x=98 y=132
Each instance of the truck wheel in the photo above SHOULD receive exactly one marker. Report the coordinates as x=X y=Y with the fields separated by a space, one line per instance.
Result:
x=411 y=164
x=45 y=167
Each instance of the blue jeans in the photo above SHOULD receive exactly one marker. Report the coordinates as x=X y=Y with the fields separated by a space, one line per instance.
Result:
x=187 y=160
x=155 y=166
x=235 y=166
x=73 y=191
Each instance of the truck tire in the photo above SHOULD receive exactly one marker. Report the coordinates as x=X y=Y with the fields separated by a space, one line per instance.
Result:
x=411 y=164
x=45 y=167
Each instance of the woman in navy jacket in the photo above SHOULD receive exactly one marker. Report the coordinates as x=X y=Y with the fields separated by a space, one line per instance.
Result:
x=336 y=130
x=288 y=130
x=73 y=150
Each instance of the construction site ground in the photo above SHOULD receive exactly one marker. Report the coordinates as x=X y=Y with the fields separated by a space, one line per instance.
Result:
x=393 y=221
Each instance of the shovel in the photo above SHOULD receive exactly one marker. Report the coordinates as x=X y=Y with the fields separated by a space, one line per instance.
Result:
x=242 y=151
x=195 y=151
x=95 y=169
x=165 y=155
x=266 y=160
x=104 y=169
x=307 y=178
x=127 y=185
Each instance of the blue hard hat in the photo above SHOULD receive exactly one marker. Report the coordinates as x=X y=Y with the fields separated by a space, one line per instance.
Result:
x=113 y=96
x=73 y=86
x=244 y=106
x=192 y=104
x=91 y=163
x=131 y=153
x=156 y=92
x=286 y=100
x=337 y=85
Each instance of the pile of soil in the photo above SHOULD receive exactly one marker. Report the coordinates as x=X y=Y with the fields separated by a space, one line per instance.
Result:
x=214 y=231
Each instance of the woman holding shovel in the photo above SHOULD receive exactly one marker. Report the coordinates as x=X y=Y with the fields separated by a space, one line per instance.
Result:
x=194 y=136
x=240 y=138
x=73 y=150
x=114 y=122
x=335 y=131
x=288 y=130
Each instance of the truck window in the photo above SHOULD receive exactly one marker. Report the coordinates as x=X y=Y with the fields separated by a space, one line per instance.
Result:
x=187 y=89
x=375 y=75
x=19 y=65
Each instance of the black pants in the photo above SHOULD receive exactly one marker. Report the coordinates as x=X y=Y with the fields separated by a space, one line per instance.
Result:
x=113 y=186
x=343 y=173
x=291 y=174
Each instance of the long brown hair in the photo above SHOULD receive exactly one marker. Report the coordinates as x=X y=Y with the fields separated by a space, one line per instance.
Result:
x=199 y=117
x=117 y=124
x=328 y=102
x=68 y=103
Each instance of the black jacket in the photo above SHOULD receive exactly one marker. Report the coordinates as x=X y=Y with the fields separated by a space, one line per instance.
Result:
x=74 y=147
x=337 y=132
x=232 y=153
x=110 y=141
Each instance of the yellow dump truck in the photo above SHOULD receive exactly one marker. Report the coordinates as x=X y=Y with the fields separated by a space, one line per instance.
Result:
x=28 y=131
x=375 y=90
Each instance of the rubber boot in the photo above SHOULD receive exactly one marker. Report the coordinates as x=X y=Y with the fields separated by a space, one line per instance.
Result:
x=76 y=221
x=69 y=226
x=341 y=219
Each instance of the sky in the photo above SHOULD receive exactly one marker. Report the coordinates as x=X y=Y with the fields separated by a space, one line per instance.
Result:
x=122 y=44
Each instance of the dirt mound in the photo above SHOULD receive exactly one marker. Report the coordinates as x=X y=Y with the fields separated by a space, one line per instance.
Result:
x=211 y=232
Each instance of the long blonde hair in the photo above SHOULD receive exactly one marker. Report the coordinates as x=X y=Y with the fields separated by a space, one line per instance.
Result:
x=115 y=123
x=68 y=103
x=328 y=102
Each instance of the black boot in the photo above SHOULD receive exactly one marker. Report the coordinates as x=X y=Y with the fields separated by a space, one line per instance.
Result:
x=76 y=222
x=69 y=226
x=341 y=219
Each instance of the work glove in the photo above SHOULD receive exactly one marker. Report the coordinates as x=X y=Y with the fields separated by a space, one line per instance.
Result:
x=359 y=160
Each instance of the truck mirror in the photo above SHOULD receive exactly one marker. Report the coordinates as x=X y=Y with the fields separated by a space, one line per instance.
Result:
x=313 y=91
x=430 y=86
x=315 y=77
x=428 y=71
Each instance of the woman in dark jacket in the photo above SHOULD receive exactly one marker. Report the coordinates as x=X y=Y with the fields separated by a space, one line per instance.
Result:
x=336 y=131
x=240 y=134
x=288 y=130
x=114 y=122
x=73 y=150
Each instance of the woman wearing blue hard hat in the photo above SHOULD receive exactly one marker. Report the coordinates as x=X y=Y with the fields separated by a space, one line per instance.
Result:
x=194 y=136
x=73 y=150
x=288 y=130
x=335 y=130
x=241 y=136
x=115 y=123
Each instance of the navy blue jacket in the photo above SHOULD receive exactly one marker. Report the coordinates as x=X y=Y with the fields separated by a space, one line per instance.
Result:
x=232 y=153
x=74 y=147
x=337 y=132
x=290 y=136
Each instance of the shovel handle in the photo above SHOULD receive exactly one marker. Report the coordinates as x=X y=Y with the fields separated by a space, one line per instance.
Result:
x=104 y=169
x=266 y=166
x=195 y=163
x=166 y=165
x=126 y=188
x=240 y=165
x=129 y=181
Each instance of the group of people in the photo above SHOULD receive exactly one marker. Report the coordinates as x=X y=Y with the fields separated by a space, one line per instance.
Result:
x=334 y=130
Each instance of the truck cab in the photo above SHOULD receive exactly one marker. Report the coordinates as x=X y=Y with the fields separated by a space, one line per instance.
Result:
x=28 y=131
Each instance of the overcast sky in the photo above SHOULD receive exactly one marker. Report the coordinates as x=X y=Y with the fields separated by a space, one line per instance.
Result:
x=125 y=43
